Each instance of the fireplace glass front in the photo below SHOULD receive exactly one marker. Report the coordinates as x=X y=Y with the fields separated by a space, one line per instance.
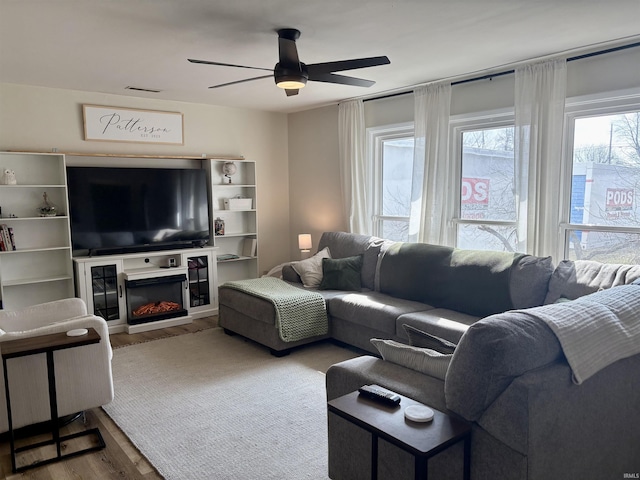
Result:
x=156 y=298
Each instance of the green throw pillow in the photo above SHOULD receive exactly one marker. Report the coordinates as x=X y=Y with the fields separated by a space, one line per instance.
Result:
x=341 y=273
x=418 y=338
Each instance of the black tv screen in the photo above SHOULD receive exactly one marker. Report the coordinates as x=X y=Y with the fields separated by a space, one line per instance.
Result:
x=124 y=210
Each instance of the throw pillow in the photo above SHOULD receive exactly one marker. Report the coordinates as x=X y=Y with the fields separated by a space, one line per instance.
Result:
x=341 y=273
x=418 y=338
x=310 y=270
x=422 y=360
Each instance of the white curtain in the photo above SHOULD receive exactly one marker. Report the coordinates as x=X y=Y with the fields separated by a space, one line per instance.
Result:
x=539 y=109
x=353 y=168
x=432 y=185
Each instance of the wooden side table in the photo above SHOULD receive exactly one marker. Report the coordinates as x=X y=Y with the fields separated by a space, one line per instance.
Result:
x=46 y=344
x=422 y=440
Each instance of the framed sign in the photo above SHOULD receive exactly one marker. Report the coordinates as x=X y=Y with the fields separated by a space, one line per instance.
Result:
x=118 y=124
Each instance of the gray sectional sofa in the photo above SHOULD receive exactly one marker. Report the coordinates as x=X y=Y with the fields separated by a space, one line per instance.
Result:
x=543 y=404
x=440 y=289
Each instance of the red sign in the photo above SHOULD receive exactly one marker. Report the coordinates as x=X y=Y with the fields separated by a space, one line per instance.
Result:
x=474 y=193
x=619 y=199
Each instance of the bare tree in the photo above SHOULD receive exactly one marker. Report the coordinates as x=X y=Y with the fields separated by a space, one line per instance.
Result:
x=594 y=154
x=627 y=131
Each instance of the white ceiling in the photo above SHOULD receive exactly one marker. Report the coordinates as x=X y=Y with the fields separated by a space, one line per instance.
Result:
x=107 y=45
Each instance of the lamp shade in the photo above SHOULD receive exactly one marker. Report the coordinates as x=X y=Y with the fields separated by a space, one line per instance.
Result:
x=304 y=242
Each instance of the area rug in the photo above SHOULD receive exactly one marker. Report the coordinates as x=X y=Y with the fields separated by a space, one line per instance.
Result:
x=209 y=406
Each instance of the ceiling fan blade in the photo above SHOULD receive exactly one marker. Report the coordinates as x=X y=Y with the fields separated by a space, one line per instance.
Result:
x=205 y=62
x=287 y=50
x=292 y=91
x=240 y=81
x=328 y=67
x=342 y=79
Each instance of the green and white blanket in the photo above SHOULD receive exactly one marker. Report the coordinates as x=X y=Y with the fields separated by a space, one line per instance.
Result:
x=300 y=313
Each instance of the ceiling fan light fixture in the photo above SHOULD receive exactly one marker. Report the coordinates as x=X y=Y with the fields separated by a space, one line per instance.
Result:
x=291 y=84
x=289 y=78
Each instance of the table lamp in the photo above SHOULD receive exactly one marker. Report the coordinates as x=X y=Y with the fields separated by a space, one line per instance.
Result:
x=304 y=243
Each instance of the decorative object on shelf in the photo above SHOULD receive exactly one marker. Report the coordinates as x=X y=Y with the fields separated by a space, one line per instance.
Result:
x=238 y=203
x=218 y=226
x=46 y=208
x=304 y=244
x=249 y=247
x=9 y=177
x=229 y=169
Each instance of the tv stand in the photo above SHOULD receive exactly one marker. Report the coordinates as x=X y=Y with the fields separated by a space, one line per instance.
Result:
x=100 y=282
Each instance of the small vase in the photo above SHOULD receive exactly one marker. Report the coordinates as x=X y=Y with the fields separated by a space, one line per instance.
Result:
x=46 y=207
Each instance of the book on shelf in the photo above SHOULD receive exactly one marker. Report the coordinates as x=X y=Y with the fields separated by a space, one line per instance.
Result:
x=249 y=247
x=7 y=241
x=226 y=256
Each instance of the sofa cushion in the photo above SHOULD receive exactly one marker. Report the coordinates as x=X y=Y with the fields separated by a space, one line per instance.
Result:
x=289 y=274
x=469 y=281
x=418 y=338
x=529 y=281
x=343 y=244
x=491 y=353
x=310 y=269
x=372 y=309
x=341 y=273
x=441 y=322
x=423 y=360
x=574 y=279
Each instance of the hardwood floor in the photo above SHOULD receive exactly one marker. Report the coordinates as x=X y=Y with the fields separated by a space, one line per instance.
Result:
x=120 y=459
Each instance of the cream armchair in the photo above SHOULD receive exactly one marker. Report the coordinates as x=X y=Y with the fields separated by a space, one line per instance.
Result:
x=83 y=374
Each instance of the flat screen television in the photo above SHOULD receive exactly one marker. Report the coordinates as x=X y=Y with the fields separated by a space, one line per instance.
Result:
x=126 y=210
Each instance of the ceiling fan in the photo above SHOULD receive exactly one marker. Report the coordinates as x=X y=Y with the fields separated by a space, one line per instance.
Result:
x=291 y=74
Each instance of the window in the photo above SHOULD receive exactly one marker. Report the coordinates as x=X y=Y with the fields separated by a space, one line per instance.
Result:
x=392 y=154
x=604 y=210
x=487 y=207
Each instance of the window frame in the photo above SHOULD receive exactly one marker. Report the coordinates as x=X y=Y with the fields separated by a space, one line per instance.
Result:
x=610 y=103
x=458 y=125
x=376 y=136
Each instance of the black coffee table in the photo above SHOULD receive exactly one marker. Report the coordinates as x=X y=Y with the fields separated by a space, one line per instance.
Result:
x=422 y=440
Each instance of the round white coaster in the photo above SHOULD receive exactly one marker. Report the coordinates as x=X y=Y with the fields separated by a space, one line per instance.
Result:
x=418 y=413
x=78 y=332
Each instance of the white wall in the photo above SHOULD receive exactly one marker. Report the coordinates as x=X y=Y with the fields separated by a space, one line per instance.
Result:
x=313 y=135
x=40 y=119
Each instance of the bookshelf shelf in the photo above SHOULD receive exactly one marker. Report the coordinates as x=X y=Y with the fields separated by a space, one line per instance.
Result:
x=241 y=226
x=40 y=268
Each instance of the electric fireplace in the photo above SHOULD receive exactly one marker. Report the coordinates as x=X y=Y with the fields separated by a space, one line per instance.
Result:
x=156 y=298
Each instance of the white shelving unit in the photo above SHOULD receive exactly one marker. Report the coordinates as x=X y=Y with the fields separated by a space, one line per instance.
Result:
x=40 y=269
x=241 y=226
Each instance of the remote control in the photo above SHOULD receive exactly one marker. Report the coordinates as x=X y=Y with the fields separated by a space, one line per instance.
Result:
x=377 y=393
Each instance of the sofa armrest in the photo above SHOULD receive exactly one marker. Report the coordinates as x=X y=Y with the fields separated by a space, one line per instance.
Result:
x=43 y=314
x=83 y=375
x=348 y=376
x=85 y=321
x=568 y=430
x=491 y=354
